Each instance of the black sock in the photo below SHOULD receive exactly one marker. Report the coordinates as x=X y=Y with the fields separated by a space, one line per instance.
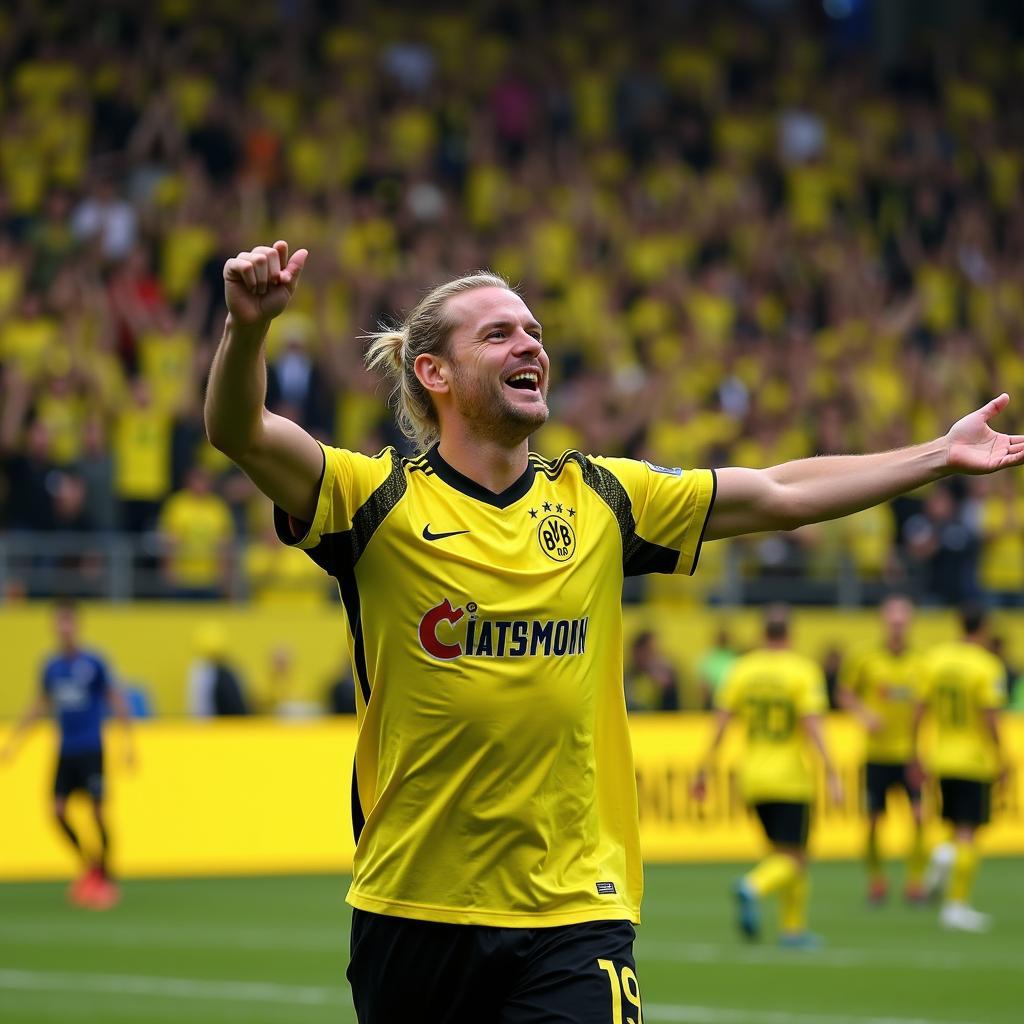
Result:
x=69 y=832
x=104 y=848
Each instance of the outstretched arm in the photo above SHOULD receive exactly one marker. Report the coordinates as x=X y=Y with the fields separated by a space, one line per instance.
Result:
x=281 y=458
x=812 y=490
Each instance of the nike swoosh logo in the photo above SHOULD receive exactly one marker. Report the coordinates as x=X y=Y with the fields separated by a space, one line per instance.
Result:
x=427 y=535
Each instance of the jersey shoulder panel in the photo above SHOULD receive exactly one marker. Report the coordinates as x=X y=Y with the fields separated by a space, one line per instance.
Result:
x=661 y=514
x=356 y=494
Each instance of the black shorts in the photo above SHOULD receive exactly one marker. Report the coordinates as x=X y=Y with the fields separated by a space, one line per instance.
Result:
x=80 y=771
x=966 y=801
x=785 y=824
x=880 y=778
x=404 y=970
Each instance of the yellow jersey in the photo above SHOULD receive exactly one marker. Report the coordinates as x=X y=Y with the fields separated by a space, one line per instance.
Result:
x=199 y=528
x=772 y=690
x=493 y=780
x=888 y=684
x=961 y=682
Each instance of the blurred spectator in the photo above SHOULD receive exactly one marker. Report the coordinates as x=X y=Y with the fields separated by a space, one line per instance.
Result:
x=714 y=665
x=196 y=532
x=96 y=467
x=105 y=221
x=31 y=478
x=650 y=680
x=280 y=697
x=942 y=547
x=997 y=508
x=295 y=385
x=215 y=688
x=142 y=459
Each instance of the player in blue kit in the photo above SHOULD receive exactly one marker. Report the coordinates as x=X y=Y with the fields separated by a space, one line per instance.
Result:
x=78 y=688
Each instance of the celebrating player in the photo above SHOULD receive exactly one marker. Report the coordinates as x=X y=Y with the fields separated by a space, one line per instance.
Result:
x=780 y=696
x=881 y=689
x=497 y=871
x=964 y=691
x=77 y=687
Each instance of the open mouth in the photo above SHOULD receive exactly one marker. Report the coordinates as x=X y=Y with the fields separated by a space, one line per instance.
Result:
x=524 y=380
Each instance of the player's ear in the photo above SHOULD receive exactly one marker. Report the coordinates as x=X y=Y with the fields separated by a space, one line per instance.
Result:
x=432 y=372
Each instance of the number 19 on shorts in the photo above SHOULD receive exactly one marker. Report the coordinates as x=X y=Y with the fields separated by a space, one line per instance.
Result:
x=623 y=984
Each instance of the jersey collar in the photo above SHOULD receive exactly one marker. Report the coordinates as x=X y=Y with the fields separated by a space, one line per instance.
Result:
x=472 y=489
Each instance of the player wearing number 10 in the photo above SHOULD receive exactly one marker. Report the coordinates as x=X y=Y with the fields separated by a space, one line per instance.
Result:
x=780 y=696
x=497 y=873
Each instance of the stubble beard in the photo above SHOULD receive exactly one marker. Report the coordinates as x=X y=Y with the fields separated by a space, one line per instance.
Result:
x=492 y=415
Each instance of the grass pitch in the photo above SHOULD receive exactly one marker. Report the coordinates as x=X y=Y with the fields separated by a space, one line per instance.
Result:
x=273 y=951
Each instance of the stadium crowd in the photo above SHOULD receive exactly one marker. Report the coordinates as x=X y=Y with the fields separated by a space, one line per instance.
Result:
x=742 y=253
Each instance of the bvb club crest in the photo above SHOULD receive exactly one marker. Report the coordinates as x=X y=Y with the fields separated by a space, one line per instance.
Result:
x=557 y=538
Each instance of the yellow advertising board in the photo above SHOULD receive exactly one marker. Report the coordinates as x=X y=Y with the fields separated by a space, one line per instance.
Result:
x=260 y=796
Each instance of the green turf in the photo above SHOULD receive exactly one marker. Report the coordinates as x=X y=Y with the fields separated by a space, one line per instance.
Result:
x=272 y=950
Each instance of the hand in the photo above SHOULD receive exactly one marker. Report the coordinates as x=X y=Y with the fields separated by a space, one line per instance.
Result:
x=258 y=284
x=915 y=773
x=972 y=446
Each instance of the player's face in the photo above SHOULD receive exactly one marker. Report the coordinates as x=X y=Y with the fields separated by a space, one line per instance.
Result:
x=896 y=613
x=499 y=367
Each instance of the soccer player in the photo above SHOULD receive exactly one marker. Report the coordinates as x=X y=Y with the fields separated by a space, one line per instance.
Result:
x=497 y=872
x=77 y=687
x=964 y=691
x=780 y=697
x=881 y=689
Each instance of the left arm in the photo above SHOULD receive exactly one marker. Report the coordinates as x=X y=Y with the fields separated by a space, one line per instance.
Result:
x=812 y=490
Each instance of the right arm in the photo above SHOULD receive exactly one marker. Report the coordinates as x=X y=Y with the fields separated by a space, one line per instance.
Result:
x=282 y=459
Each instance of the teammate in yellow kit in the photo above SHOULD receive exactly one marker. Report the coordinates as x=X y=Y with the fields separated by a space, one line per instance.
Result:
x=964 y=692
x=881 y=688
x=497 y=872
x=780 y=697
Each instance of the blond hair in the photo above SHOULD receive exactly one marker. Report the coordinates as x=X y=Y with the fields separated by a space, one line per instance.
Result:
x=425 y=330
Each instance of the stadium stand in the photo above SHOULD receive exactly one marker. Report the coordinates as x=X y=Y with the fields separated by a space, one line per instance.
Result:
x=777 y=245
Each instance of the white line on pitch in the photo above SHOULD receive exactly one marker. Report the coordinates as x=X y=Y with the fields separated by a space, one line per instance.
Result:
x=178 y=988
x=699 y=952
x=319 y=995
x=114 y=933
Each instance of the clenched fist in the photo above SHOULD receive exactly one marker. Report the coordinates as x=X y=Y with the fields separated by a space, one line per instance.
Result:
x=258 y=284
